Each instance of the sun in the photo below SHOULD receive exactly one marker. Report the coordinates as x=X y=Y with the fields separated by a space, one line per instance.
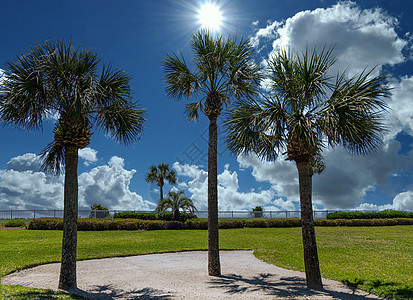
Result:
x=210 y=16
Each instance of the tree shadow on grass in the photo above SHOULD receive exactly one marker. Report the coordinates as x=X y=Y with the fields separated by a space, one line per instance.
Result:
x=273 y=285
x=387 y=288
x=110 y=292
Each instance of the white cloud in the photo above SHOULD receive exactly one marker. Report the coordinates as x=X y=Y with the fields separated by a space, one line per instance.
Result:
x=401 y=108
x=108 y=185
x=24 y=186
x=229 y=196
x=348 y=178
x=345 y=180
x=403 y=202
x=89 y=155
x=359 y=35
x=25 y=162
x=281 y=174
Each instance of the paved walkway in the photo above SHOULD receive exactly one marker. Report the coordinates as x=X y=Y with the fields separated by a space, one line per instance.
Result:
x=184 y=276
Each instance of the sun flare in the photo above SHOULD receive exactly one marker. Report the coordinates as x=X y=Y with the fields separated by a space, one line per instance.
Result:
x=210 y=16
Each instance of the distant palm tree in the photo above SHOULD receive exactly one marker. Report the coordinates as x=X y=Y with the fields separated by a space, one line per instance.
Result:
x=223 y=70
x=308 y=110
x=54 y=77
x=159 y=174
x=176 y=201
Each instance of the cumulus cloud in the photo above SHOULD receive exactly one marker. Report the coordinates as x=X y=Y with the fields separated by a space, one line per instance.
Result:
x=229 y=196
x=345 y=180
x=89 y=155
x=24 y=186
x=25 y=162
x=348 y=178
x=281 y=174
x=401 y=108
x=403 y=201
x=358 y=35
x=108 y=185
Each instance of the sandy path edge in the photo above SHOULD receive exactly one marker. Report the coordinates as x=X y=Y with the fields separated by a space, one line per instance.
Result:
x=183 y=275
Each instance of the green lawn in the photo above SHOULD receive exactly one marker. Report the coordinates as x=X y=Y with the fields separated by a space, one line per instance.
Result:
x=377 y=259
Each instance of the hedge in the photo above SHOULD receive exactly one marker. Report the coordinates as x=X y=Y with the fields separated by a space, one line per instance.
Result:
x=369 y=215
x=136 y=224
x=168 y=216
x=15 y=223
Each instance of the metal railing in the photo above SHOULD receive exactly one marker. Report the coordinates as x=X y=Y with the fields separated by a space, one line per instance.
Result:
x=232 y=214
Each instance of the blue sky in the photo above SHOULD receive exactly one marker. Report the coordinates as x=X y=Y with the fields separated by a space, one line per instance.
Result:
x=137 y=35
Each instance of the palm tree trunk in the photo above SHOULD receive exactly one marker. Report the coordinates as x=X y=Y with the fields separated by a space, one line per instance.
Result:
x=312 y=268
x=161 y=189
x=68 y=267
x=214 y=267
x=177 y=215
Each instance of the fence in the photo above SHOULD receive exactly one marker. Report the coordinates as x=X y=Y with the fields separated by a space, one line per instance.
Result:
x=33 y=214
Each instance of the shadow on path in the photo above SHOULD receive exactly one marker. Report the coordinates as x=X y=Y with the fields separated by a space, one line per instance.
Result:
x=106 y=292
x=273 y=285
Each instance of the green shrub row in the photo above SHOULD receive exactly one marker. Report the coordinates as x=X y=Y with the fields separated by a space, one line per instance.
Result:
x=15 y=223
x=116 y=224
x=363 y=222
x=168 y=216
x=136 y=224
x=369 y=215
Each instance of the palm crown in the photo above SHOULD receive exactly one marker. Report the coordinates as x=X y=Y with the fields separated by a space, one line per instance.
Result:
x=57 y=78
x=307 y=109
x=176 y=201
x=159 y=174
x=223 y=70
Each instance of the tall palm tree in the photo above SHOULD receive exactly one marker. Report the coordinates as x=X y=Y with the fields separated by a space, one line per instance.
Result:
x=176 y=201
x=55 y=77
x=306 y=111
x=223 y=70
x=159 y=174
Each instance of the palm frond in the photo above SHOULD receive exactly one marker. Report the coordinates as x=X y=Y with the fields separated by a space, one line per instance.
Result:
x=191 y=110
x=256 y=127
x=152 y=175
x=176 y=201
x=123 y=121
x=171 y=177
x=353 y=116
x=180 y=82
x=53 y=158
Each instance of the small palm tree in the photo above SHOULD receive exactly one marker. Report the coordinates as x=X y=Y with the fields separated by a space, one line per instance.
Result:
x=308 y=110
x=54 y=77
x=223 y=71
x=159 y=174
x=176 y=201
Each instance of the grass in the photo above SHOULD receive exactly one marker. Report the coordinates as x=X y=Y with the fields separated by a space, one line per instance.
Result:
x=376 y=259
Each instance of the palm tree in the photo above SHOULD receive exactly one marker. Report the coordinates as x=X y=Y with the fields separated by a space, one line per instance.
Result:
x=223 y=70
x=307 y=110
x=54 y=77
x=176 y=201
x=159 y=174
